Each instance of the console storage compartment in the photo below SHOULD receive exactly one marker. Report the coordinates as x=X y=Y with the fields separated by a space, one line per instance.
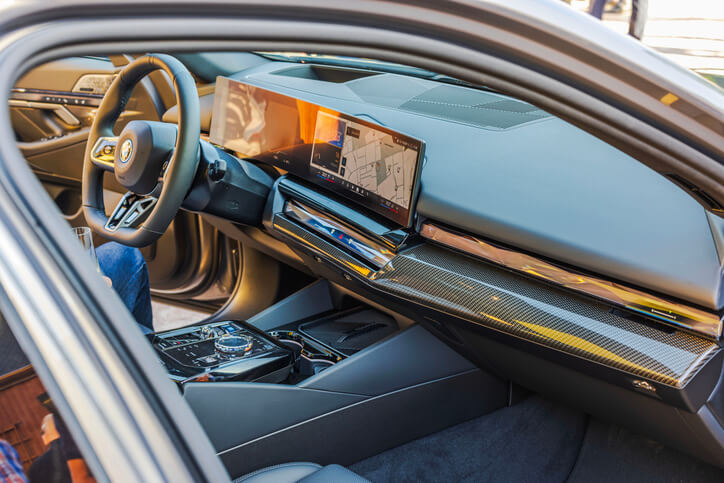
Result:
x=351 y=331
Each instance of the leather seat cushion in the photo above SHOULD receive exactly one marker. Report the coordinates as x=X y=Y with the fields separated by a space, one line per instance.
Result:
x=302 y=473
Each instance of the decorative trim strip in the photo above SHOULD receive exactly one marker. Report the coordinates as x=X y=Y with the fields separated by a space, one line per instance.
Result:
x=661 y=310
x=491 y=296
x=374 y=253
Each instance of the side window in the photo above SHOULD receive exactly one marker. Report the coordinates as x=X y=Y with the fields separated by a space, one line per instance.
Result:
x=35 y=445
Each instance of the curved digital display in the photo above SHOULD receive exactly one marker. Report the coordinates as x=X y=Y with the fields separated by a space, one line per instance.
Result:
x=365 y=162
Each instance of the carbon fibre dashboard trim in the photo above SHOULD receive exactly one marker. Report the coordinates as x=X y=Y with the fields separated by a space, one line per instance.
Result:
x=500 y=300
x=490 y=296
x=669 y=312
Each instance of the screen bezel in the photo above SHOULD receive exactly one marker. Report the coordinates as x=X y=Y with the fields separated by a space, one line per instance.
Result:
x=291 y=166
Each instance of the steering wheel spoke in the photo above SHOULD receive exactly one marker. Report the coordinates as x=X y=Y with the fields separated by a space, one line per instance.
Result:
x=103 y=152
x=132 y=210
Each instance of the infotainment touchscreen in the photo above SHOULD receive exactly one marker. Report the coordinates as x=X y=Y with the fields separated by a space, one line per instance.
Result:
x=363 y=161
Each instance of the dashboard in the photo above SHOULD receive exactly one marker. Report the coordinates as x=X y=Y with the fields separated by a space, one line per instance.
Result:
x=443 y=245
x=503 y=181
x=503 y=169
x=370 y=164
x=523 y=242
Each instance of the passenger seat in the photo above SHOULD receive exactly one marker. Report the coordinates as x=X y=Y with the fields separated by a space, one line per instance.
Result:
x=302 y=473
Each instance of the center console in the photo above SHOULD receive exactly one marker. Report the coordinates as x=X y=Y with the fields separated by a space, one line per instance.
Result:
x=237 y=351
x=222 y=351
x=320 y=376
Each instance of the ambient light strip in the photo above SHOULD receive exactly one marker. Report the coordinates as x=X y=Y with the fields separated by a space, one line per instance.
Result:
x=679 y=315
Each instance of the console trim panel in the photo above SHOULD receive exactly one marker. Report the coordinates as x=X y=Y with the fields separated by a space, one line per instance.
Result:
x=192 y=353
x=525 y=309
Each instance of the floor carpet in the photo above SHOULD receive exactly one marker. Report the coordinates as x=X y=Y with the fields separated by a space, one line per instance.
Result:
x=533 y=441
x=536 y=441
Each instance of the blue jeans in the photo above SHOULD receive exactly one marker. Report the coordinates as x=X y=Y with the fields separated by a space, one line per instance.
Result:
x=127 y=270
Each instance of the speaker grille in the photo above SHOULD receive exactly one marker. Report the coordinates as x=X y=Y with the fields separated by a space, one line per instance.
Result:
x=481 y=109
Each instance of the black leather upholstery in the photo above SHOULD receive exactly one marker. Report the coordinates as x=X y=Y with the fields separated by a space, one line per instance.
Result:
x=302 y=473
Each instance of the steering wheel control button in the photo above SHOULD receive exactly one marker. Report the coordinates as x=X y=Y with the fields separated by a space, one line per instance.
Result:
x=104 y=151
x=130 y=210
x=233 y=344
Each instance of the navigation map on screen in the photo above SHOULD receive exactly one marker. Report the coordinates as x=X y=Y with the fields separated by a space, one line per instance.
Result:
x=371 y=161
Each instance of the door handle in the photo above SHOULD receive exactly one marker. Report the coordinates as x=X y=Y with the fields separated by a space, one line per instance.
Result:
x=58 y=109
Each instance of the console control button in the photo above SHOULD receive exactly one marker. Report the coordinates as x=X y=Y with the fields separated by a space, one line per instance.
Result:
x=210 y=332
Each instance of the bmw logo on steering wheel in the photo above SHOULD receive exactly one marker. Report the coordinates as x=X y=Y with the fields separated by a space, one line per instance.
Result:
x=126 y=150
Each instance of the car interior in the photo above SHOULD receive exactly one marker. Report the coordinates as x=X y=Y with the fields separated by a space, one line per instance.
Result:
x=403 y=276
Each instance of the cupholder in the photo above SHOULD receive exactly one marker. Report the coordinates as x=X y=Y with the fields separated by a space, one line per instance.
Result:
x=310 y=358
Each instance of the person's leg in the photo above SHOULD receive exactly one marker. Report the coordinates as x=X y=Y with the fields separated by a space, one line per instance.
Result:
x=596 y=8
x=127 y=270
x=637 y=22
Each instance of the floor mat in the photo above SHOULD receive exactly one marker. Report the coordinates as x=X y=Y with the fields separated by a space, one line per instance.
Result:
x=535 y=440
x=610 y=453
x=169 y=317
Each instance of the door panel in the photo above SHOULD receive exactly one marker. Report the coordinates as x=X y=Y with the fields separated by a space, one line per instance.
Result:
x=195 y=252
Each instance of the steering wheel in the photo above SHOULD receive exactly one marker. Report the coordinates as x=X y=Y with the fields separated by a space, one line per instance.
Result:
x=155 y=161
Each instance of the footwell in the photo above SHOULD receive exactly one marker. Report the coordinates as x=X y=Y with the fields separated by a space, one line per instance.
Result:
x=610 y=453
x=535 y=441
